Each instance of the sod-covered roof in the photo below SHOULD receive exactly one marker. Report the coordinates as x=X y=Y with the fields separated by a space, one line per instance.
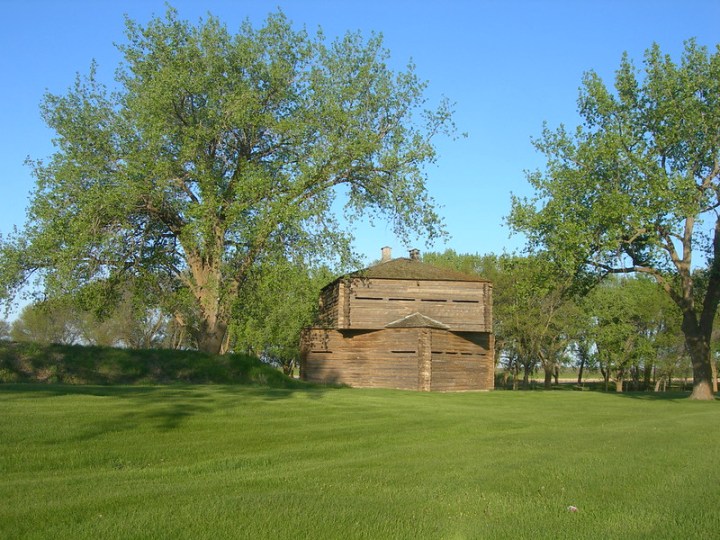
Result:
x=402 y=268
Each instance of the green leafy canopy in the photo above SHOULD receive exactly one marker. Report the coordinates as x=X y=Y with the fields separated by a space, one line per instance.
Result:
x=216 y=150
x=636 y=187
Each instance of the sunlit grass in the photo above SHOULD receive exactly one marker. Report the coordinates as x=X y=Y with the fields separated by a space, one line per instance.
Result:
x=252 y=462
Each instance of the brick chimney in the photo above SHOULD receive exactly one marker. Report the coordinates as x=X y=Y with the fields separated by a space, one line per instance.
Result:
x=414 y=254
x=386 y=254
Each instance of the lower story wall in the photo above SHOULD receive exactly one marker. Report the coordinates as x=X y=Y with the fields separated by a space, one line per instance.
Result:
x=368 y=359
x=403 y=358
x=462 y=361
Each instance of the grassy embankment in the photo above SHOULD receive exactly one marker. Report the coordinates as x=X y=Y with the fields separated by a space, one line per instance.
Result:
x=71 y=364
x=232 y=461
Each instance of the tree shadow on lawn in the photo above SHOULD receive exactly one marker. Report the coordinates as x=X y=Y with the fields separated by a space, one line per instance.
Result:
x=164 y=407
x=656 y=396
x=675 y=395
x=645 y=395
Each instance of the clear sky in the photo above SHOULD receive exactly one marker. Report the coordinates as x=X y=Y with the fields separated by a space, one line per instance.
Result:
x=508 y=66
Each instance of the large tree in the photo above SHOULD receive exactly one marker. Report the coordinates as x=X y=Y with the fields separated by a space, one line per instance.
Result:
x=636 y=187
x=214 y=149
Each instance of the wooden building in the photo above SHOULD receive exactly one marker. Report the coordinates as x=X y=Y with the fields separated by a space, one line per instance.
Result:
x=403 y=324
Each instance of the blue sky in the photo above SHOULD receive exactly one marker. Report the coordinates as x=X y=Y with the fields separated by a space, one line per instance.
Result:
x=508 y=66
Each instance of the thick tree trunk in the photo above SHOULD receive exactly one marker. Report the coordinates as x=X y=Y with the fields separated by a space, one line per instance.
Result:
x=211 y=337
x=698 y=346
x=698 y=331
x=548 y=377
x=213 y=326
x=580 y=371
x=206 y=285
x=619 y=384
x=702 y=381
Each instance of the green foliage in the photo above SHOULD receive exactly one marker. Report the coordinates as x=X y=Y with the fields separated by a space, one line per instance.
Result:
x=230 y=462
x=77 y=319
x=66 y=364
x=629 y=178
x=535 y=315
x=635 y=187
x=487 y=266
x=270 y=315
x=635 y=329
x=216 y=152
x=46 y=322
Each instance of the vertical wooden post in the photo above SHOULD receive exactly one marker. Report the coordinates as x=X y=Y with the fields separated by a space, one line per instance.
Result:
x=344 y=297
x=424 y=360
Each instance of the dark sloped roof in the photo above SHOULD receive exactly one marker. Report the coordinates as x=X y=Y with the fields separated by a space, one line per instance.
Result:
x=417 y=320
x=402 y=268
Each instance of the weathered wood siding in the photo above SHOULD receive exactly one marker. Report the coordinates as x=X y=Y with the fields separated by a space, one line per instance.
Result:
x=372 y=359
x=405 y=358
x=373 y=303
x=447 y=346
x=462 y=361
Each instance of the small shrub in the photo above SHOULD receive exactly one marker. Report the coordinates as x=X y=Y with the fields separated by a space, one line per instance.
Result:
x=8 y=376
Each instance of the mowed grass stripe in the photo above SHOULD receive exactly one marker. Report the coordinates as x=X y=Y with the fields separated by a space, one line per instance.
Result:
x=251 y=462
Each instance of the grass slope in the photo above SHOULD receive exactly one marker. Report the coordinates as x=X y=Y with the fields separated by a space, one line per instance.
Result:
x=253 y=462
x=74 y=364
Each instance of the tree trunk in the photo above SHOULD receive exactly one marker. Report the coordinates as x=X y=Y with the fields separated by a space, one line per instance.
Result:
x=548 y=377
x=526 y=377
x=206 y=284
x=580 y=372
x=698 y=346
x=606 y=376
x=647 y=376
x=212 y=328
x=211 y=336
x=619 y=384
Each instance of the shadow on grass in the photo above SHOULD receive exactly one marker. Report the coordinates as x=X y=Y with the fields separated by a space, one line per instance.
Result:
x=647 y=395
x=652 y=396
x=164 y=408
x=660 y=396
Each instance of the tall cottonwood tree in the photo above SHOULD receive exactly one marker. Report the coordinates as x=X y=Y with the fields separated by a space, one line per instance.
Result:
x=213 y=149
x=636 y=187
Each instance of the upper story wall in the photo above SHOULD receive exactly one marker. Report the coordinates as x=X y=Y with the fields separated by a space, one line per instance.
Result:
x=372 y=303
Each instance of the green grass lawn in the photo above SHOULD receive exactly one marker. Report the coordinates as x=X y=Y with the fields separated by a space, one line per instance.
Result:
x=252 y=462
